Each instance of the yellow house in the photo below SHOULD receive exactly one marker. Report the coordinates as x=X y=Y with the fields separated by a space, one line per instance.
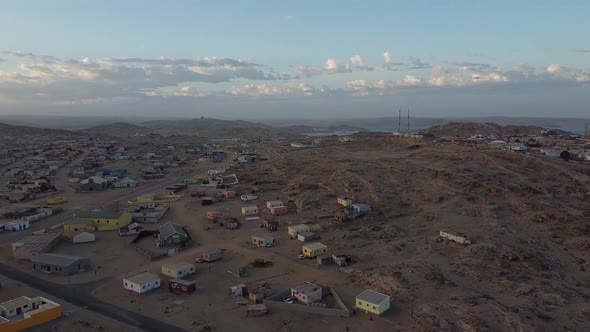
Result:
x=35 y=311
x=74 y=225
x=372 y=302
x=314 y=249
x=104 y=220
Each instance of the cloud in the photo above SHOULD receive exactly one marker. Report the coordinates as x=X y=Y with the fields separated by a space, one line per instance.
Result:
x=582 y=50
x=290 y=18
x=568 y=73
x=331 y=66
x=389 y=63
x=260 y=90
x=359 y=63
x=40 y=58
x=416 y=63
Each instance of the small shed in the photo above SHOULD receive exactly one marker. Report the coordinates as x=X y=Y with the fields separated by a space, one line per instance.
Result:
x=370 y=301
x=296 y=229
x=212 y=254
x=142 y=282
x=360 y=208
x=239 y=290
x=345 y=201
x=275 y=203
x=324 y=260
x=278 y=210
x=238 y=270
x=256 y=310
x=214 y=216
x=459 y=238
x=307 y=236
x=271 y=225
x=178 y=270
x=257 y=296
x=263 y=240
x=314 y=249
x=206 y=200
x=181 y=286
x=228 y=194
x=83 y=236
x=249 y=210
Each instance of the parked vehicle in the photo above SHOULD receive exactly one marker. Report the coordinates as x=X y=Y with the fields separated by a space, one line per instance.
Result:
x=288 y=300
x=198 y=193
x=301 y=257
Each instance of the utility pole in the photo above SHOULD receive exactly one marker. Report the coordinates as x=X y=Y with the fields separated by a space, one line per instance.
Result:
x=408 y=121
x=399 y=121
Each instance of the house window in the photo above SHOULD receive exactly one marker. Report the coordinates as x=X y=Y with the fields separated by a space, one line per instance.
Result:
x=143 y=287
x=374 y=307
x=125 y=284
x=107 y=221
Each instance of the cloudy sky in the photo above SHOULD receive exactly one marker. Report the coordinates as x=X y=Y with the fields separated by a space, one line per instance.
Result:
x=248 y=59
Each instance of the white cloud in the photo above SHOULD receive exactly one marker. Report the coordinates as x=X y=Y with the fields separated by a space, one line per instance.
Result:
x=359 y=63
x=387 y=58
x=568 y=73
x=290 y=18
x=333 y=67
x=259 y=90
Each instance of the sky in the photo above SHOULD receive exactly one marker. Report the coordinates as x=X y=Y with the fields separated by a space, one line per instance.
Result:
x=288 y=59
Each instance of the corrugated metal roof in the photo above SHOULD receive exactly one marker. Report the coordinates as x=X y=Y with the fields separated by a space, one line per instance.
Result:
x=143 y=278
x=316 y=246
x=169 y=229
x=372 y=297
x=56 y=259
x=182 y=282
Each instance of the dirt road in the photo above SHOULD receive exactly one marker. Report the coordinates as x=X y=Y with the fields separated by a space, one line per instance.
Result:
x=81 y=297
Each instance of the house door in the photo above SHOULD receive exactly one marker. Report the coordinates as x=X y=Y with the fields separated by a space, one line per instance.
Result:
x=19 y=310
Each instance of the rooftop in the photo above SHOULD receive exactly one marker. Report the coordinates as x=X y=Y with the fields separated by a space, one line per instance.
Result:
x=98 y=215
x=372 y=297
x=316 y=246
x=299 y=227
x=56 y=259
x=183 y=282
x=76 y=222
x=177 y=265
x=305 y=287
x=16 y=303
x=142 y=278
x=38 y=239
x=171 y=228
x=211 y=250
x=266 y=238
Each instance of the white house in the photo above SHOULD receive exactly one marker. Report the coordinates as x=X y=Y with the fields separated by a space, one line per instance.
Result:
x=214 y=171
x=16 y=225
x=83 y=236
x=178 y=270
x=141 y=283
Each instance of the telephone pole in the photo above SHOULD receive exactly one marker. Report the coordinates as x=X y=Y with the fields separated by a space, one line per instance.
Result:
x=408 y=121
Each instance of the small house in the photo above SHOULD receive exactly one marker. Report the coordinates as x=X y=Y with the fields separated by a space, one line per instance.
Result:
x=263 y=240
x=345 y=201
x=83 y=236
x=278 y=210
x=238 y=270
x=239 y=290
x=306 y=293
x=16 y=225
x=94 y=183
x=125 y=183
x=105 y=220
x=275 y=203
x=228 y=194
x=296 y=229
x=214 y=216
x=172 y=234
x=142 y=282
x=257 y=296
x=271 y=225
x=212 y=254
x=178 y=270
x=314 y=249
x=181 y=286
x=60 y=264
x=372 y=302
x=75 y=225
x=206 y=200
x=249 y=210
x=307 y=236
x=360 y=208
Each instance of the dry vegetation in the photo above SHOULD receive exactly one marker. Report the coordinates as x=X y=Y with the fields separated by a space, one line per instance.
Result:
x=527 y=217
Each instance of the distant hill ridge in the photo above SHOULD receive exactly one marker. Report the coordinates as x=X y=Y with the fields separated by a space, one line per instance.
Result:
x=464 y=129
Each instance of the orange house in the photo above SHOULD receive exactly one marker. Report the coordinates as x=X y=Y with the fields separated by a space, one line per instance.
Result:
x=23 y=313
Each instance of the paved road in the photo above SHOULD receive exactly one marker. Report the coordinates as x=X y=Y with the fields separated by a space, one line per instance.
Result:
x=80 y=296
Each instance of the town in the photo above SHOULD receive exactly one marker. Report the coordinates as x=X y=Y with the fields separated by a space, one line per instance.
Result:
x=160 y=228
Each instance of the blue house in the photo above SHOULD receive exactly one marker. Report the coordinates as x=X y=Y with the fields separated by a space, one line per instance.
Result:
x=360 y=208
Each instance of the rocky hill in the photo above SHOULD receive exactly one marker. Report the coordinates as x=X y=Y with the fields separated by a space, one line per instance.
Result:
x=119 y=129
x=527 y=217
x=466 y=129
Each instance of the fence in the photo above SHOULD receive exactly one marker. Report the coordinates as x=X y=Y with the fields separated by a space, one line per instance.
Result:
x=275 y=303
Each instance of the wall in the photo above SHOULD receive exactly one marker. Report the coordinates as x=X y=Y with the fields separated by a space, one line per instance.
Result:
x=275 y=303
x=35 y=319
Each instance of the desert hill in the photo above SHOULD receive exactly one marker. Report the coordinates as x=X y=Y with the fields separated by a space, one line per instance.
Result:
x=118 y=129
x=10 y=133
x=466 y=129
x=527 y=218
x=208 y=127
